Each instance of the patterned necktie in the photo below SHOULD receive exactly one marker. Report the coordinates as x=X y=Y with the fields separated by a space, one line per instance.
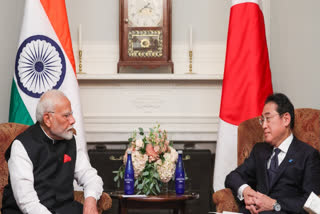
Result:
x=273 y=165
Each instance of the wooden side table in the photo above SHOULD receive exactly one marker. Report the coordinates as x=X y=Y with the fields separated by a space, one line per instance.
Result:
x=163 y=201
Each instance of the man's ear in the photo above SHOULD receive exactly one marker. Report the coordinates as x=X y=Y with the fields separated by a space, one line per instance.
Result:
x=47 y=120
x=286 y=118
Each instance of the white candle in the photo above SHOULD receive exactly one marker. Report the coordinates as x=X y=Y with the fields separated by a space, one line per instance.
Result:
x=190 y=37
x=80 y=37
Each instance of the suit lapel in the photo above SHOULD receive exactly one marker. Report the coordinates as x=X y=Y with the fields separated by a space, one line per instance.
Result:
x=286 y=161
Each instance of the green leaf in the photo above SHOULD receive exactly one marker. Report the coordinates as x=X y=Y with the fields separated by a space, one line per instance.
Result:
x=141 y=132
x=145 y=173
x=146 y=181
x=140 y=186
x=161 y=156
x=143 y=150
x=171 y=143
x=156 y=175
x=157 y=187
x=119 y=175
x=130 y=139
x=154 y=192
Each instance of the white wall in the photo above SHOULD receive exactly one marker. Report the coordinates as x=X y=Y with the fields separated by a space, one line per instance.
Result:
x=10 y=21
x=294 y=30
x=295 y=45
x=100 y=19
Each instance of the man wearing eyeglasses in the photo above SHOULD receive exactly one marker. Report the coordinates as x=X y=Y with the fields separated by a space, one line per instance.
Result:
x=43 y=162
x=280 y=173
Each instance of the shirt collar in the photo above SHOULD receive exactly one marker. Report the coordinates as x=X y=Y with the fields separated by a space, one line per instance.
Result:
x=284 y=146
x=53 y=141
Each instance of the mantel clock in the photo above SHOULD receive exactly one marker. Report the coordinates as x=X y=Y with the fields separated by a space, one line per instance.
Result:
x=145 y=34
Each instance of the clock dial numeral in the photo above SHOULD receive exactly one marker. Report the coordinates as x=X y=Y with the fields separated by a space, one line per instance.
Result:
x=145 y=13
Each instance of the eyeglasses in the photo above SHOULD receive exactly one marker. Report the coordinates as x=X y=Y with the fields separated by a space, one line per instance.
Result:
x=66 y=115
x=266 y=119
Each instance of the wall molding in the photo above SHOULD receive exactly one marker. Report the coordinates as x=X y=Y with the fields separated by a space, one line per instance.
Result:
x=102 y=128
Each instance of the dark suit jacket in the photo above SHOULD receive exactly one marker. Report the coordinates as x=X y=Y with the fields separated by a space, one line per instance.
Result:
x=298 y=175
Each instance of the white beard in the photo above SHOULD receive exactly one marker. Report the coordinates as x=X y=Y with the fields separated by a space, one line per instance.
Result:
x=67 y=135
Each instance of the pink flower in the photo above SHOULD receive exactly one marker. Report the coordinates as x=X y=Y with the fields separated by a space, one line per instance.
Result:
x=151 y=153
x=157 y=149
x=157 y=140
x=164 y=148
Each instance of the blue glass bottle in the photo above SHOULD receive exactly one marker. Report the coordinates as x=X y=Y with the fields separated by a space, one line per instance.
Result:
x=179 y=175
x=129 y=176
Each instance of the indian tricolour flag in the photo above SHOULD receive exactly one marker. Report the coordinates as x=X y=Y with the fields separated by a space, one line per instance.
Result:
x=246 y=81
x=44 y=61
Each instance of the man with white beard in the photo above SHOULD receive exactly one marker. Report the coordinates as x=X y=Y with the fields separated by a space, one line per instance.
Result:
x=43 y=161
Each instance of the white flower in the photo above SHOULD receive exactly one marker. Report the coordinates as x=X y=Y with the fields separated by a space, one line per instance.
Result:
x=139 y=162
x=139 y=144
x=173 y=154
x=166 y=169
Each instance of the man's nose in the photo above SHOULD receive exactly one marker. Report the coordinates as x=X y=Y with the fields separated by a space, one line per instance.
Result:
x=71 y=120
x=264 y=124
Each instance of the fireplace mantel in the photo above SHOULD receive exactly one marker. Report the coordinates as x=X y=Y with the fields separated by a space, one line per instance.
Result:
x=188 y=110
x=183 y=77
x=186 y=105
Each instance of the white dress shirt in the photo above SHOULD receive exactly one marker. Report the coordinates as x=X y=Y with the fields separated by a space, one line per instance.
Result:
x=22 y=180
x=284 y=146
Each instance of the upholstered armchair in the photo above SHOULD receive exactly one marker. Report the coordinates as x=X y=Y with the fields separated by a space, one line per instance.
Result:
x=8 y=131
x=307 y=129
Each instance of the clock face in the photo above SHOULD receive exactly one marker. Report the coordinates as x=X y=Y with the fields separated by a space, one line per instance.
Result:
x=145 y=13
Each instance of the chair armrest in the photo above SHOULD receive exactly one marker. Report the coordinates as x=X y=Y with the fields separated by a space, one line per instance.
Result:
x=104 y=203
x=79 y=196
x=224 y=201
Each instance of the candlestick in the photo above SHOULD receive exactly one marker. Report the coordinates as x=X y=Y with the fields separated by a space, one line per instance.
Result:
x=80 y=49
x=190 y=37
x=190 y=62
x=80 y=37
x=80 y=63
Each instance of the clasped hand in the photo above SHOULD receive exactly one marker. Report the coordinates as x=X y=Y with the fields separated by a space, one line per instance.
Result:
x=257 y=202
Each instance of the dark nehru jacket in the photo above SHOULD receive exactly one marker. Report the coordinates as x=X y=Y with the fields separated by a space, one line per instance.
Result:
x=53 y=169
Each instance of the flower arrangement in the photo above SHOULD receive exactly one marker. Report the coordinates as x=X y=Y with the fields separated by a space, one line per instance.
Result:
x=153 y=158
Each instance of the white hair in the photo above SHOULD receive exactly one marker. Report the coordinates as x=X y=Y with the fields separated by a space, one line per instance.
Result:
x=47 y=103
